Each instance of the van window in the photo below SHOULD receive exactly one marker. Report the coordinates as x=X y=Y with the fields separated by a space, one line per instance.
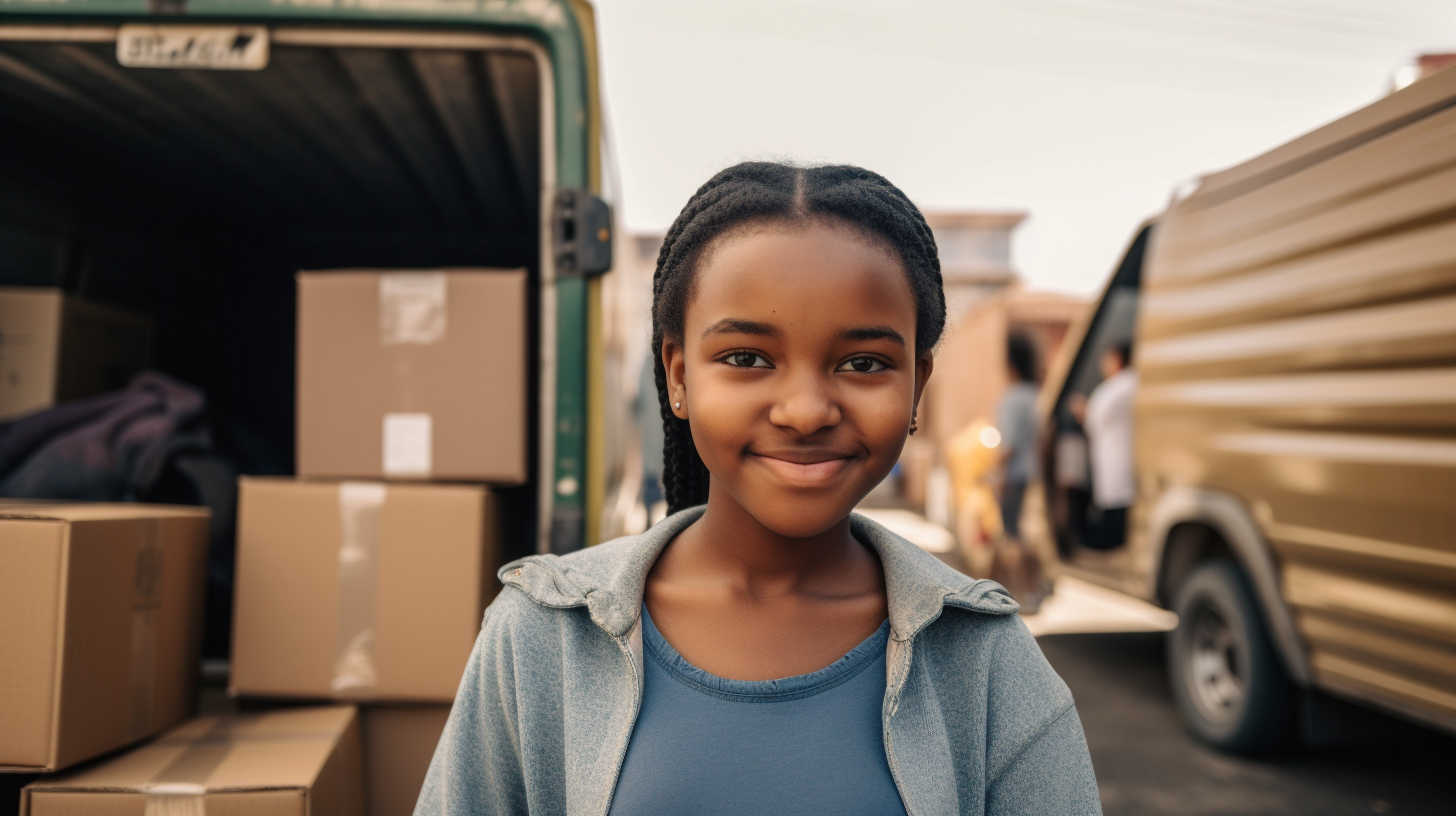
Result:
x=1069 y=478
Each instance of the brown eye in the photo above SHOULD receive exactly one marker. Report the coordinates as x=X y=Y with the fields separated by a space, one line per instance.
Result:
x=745 y=359
x=862 y=365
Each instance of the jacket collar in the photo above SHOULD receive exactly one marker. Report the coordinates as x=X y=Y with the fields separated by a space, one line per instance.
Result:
x=608 y=579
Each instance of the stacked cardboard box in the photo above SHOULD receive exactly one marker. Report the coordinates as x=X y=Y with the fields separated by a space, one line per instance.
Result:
x=291 y=762
x=359 y=590
x=102 y=611
x=348 y=587
x=56 y=347
x=101 y=605
x=399 y=742
x=412 y=375
x=365 y=579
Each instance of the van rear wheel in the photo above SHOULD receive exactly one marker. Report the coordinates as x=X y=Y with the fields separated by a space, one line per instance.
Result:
x=1226 y=679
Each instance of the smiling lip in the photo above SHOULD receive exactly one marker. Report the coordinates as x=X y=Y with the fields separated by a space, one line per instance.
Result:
x=806 y=467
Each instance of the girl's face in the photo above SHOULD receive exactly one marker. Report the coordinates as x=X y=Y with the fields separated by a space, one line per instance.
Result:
x=797 y=369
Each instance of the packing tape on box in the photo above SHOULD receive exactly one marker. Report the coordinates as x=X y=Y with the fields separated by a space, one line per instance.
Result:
x=146 y=599
x=360 y=503
x=411 y=308
x=408 y=446
x=180 y=788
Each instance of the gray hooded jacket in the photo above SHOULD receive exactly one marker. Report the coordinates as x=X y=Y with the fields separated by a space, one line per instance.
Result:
x=975 y=721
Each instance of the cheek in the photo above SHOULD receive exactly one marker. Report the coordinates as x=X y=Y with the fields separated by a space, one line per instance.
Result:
x=721 y=414
x=884 y=417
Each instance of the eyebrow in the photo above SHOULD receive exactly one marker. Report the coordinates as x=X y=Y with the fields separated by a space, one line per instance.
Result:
x=733 y=325
x=874 y=333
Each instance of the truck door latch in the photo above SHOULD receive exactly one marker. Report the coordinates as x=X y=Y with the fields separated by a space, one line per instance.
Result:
x=581 y=234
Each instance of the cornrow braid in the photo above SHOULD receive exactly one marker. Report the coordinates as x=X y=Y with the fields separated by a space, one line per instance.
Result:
x=769 y=191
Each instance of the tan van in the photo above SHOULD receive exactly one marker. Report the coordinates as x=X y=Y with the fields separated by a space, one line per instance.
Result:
x=1293 y=329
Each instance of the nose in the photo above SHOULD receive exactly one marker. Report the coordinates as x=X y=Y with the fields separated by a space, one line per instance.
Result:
x=806 y=405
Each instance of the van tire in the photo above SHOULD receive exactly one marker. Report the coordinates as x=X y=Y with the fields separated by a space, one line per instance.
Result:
x=1226 y=679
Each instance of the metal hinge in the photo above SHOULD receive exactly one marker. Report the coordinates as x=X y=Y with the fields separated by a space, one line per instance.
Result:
x=581 y=234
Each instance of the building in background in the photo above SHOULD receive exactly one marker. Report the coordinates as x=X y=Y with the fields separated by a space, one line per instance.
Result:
x=975 y=255
x=986 y=302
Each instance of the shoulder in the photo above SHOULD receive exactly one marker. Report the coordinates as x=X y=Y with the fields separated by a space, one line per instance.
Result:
x=606 y=578
x=563 y=581
x=998 y=655
x=514 y=615
x=999 y=637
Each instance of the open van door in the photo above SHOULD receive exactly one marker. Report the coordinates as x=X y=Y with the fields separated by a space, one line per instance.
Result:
x=1070 y=520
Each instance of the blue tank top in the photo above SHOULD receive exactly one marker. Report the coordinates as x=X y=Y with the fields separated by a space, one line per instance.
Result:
x=709 y=746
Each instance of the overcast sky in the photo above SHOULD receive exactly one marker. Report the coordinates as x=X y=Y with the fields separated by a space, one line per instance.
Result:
x=1084 y=113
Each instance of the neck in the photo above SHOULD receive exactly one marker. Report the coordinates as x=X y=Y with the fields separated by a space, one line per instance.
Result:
x=729 y=541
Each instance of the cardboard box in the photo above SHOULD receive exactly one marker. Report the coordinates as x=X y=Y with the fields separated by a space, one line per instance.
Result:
x=101 y=607
x=359 y=590
x=399 y=742
x=290 y=762
x=412 y=375
x=54 y=347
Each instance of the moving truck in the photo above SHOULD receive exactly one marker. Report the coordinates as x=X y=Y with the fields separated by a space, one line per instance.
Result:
x=1293 y=327
x=185 y=158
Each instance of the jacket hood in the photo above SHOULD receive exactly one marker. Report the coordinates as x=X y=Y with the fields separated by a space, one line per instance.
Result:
x=608 y=579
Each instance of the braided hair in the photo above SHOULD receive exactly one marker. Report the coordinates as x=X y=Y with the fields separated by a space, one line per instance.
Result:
x=768 y=191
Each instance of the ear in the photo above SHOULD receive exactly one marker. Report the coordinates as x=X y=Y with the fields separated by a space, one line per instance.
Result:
x=674 y=360
x=923 y=365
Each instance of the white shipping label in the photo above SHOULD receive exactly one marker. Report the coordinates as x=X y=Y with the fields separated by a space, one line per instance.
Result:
x=221 y=48
x=407 y=444
x=411 y=308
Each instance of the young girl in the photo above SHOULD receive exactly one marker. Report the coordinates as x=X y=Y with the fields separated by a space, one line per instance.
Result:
x=763 y=649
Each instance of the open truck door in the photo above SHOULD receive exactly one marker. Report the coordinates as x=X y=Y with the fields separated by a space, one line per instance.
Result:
x=186 y=157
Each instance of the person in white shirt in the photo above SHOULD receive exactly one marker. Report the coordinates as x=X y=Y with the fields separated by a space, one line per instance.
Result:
x=1107 y=417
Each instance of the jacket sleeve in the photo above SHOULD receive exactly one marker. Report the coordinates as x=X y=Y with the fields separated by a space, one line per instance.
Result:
x=477 y=766
x=1037 y=760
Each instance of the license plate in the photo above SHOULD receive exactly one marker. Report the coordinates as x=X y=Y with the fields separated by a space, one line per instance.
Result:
x=224 y=48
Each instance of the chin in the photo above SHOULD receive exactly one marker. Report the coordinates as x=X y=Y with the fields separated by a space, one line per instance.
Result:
x=799 y=517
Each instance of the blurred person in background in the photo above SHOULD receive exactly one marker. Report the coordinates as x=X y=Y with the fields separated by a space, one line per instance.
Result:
x=1016 y=420
x=1015 y=565
x=1106 y=415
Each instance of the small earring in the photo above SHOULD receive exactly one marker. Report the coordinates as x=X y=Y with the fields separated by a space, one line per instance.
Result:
x=913 y=425
x=677 y=405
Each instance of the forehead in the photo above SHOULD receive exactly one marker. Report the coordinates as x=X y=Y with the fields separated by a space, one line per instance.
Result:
x=806 y=275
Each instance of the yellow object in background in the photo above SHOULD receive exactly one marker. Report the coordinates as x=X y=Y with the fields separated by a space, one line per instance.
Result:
x=972 y=457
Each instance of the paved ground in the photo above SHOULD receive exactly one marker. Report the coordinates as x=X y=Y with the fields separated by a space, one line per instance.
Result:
x=1146 y=764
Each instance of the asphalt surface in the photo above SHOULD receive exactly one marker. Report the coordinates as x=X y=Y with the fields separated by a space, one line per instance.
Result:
x=1147 y=764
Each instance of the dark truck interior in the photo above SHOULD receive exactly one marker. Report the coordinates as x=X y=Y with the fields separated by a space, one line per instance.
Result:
x=1069 y=503
x=193 y=196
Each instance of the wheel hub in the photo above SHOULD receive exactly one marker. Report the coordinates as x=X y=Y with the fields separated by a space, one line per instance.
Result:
x=1217 y=686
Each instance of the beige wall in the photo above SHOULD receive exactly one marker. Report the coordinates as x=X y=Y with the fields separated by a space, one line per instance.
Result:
x=970 y=368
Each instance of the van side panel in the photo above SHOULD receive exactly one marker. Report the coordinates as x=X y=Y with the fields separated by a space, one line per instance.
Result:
x=1298 y=352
